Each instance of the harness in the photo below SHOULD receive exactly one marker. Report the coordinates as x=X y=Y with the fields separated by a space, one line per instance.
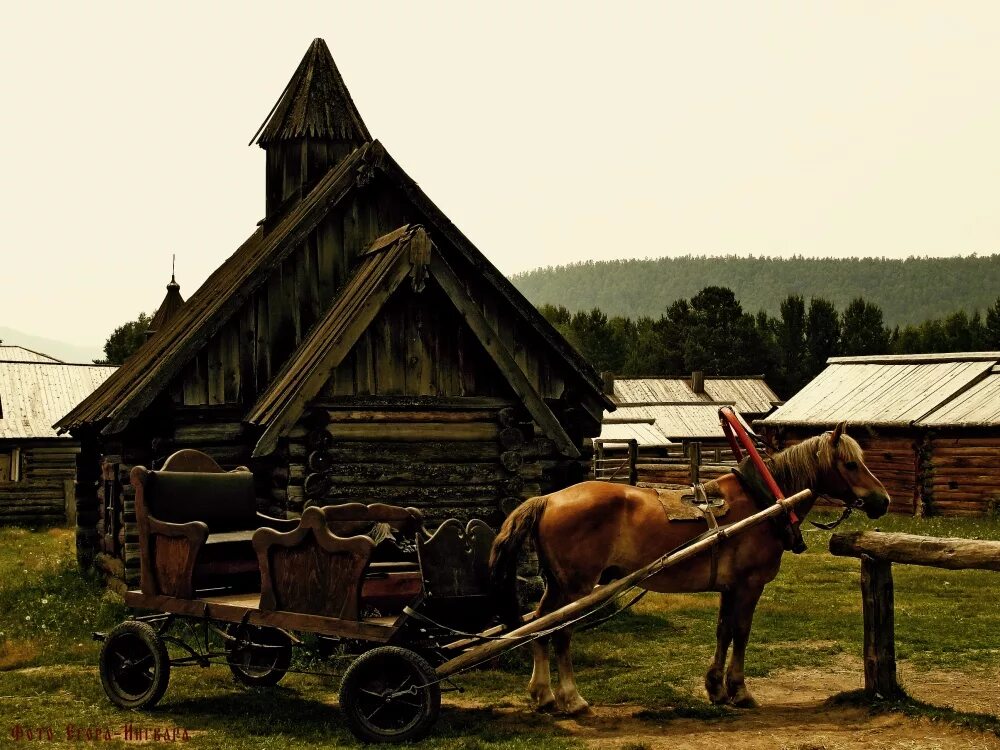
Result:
x=699 y=499
x=757 y=480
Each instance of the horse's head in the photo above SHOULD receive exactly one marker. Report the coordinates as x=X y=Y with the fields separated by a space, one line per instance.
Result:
x=844 y=476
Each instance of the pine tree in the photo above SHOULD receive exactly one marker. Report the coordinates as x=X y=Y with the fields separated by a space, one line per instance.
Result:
x=863 y=331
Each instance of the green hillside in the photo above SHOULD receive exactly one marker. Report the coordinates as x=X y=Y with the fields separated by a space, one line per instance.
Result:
x=908 y=291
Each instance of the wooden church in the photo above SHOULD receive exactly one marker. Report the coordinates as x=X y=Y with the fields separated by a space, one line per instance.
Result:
x=356 y=347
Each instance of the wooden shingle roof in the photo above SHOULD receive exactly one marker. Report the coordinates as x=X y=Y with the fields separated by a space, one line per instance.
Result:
x=749 y=393
x=143 y=377
x=315 y=104
x=10 y=353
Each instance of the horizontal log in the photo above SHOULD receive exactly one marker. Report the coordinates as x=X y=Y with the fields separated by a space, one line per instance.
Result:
x=369 y=416
x=437 y=451
x=979 y=504
x=50 y=449
x=965 y=442
x=414 y=432
x=938 y=552
x=409 y=473
x=412 y=495
x=418 y=403
x=33 y=520
x=208 y=432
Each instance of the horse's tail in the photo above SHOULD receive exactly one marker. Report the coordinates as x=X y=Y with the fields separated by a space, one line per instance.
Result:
x=519 y=526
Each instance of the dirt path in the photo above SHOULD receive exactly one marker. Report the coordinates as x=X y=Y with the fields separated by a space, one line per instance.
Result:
x=794 y=715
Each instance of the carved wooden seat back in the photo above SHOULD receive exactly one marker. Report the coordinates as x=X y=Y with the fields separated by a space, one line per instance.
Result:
x=455 y=561
x=178 y=507
x=311 y=570
x=355 y=518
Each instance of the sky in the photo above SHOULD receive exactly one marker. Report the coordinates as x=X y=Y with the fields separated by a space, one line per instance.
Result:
x=549 y=132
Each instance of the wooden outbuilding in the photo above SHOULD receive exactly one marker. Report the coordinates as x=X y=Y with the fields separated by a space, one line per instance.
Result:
x=674 y=425
x=37 y=466
x=356 y=347
x=929 y=424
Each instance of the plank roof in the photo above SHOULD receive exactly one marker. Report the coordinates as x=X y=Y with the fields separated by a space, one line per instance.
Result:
x=677 y=421
x=34 y=394
x=13 y=353
x=750 y=394
x=315 y=103
x=979 y=406
x=894 y=391
x=645 y=434
x=147 y=372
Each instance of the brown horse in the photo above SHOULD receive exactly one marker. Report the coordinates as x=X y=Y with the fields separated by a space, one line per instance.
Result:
x=597 y=531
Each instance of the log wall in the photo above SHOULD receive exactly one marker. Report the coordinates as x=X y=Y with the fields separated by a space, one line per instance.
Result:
x=462 y=457
x=44 y=494
x=963 y=475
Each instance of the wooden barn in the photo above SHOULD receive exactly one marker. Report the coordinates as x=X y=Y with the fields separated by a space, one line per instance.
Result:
x=929 y=423
x=356 y=347
x=37 y=466
x=674 y=423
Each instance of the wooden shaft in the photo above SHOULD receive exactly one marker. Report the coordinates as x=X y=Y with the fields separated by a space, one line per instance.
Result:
x=602 y=594
x=951 y=553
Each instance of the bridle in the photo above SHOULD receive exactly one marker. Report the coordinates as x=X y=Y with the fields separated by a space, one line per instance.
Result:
x=856 y=503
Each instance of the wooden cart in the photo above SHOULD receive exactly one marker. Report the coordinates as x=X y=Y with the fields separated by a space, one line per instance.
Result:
x=398 y=603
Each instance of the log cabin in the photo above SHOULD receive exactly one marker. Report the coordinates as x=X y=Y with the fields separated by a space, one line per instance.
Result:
x=929 y=424
x=356 y=347
x=37 y=466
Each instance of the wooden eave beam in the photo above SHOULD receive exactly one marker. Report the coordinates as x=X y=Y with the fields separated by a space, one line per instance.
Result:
x=474 y=317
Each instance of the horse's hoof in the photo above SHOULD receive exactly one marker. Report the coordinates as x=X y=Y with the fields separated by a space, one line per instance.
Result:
x=716 y=689
x=744 y=700
x=545 y=700
x=575 y=706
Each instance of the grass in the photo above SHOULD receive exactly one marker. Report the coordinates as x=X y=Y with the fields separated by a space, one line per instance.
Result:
x=653 y=656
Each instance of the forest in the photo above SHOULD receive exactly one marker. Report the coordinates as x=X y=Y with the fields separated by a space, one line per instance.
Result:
x=909 y=290
x=713 y=332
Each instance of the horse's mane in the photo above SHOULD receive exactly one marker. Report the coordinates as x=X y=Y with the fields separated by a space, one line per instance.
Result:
x=798 y=466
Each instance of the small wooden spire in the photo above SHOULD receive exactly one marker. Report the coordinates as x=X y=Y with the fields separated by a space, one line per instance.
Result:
x=170 y=306
x=314 y=104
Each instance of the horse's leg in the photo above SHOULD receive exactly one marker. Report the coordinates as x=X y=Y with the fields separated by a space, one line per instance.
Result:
x=540 y=684
x=568 y=698
x=744 y=606
x=715 y=682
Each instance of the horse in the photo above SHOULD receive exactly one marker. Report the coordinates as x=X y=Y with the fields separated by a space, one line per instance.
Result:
x=596 y=531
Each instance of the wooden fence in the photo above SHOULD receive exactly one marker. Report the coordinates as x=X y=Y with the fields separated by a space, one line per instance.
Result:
x=621 y=460
x=878 y=551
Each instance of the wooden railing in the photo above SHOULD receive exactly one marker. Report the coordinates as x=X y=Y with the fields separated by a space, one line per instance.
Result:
x=878 y=551
x=618 y=460
x=620 y=465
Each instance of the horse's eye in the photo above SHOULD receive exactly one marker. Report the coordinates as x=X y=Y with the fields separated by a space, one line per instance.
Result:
x=852 y=465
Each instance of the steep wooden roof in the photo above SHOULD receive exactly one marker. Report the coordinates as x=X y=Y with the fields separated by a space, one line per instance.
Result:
x=143 y=377
x=405 y=252
x=315 y=104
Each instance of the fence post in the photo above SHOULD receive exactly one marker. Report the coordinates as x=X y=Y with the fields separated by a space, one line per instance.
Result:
x=880 y=641
x=694 y=455
x=633 y=457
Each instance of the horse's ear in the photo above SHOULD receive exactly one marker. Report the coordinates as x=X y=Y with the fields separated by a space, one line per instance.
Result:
x=840 y=429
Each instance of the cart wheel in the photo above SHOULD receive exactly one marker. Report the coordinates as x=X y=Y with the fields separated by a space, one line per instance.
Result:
x=254 y=666
x=134 y=665
x=389 y=694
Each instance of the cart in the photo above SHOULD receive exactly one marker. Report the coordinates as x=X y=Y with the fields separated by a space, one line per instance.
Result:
x=403 y=642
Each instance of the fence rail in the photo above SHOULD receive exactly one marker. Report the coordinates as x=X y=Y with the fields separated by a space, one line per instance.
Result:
x=878 y=551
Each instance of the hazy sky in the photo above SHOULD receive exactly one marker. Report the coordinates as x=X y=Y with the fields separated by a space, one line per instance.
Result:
x=549 y=132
